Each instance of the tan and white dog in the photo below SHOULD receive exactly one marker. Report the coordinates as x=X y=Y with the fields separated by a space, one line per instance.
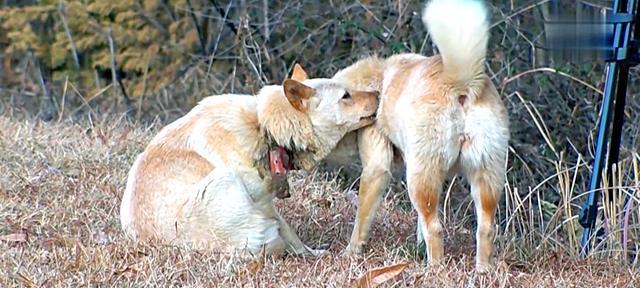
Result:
x=206 y=179
x=445 y=116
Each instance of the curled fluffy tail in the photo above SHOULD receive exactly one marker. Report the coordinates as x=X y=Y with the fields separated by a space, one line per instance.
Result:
x=460 y=30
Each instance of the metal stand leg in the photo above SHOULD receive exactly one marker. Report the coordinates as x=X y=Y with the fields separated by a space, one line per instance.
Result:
x=589 y=213
x=590 y=208
x=616 y=84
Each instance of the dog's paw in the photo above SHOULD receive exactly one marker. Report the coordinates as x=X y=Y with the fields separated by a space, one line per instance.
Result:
x=318 y=252
x=484 y=268
x=436 y=267
x=436 y=263
x=352 y=251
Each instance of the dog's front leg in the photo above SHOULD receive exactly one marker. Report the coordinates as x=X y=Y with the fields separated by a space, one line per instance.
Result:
x=293 y=243
x=376 y=154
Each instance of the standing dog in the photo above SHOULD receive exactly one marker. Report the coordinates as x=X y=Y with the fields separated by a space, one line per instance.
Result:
x=445 y=116
x=207 y=178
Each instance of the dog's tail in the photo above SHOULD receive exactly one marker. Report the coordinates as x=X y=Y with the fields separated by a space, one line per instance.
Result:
x=460 y=30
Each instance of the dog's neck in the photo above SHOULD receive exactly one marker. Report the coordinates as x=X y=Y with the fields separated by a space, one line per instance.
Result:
x=277 y=161
x=288 y=127
x=299 y=156
x=281 y=157
x=272 y=145
x=288 y=136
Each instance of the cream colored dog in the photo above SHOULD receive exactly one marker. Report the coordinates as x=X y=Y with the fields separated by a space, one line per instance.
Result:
x=445 y=116
x=206 y=179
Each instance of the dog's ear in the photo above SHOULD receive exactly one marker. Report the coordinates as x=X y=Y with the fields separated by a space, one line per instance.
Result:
x=297 y=94
x=298 y=73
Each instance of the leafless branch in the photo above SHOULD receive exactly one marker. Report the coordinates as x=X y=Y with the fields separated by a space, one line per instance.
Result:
x=265 y=15
x=224 y=13
x=74 y=49
x=198 y=29
x=47 y=105
x=215 y=44
x=114 y=77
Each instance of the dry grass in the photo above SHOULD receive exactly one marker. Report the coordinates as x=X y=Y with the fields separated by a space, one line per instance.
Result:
x=61 y=184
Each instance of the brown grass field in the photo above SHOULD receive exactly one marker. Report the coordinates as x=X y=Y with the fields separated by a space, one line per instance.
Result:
x=61 y=181
x=60 y=189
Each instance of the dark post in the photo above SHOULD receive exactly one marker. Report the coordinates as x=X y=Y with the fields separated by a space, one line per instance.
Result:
x=624 y=55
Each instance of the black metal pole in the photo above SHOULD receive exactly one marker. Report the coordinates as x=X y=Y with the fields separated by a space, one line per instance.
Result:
x=621 y=89
x=590 y=208
x=616 y=81
x=618 y=119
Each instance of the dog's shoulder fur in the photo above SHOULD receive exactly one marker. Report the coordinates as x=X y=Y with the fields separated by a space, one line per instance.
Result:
x=365 y=74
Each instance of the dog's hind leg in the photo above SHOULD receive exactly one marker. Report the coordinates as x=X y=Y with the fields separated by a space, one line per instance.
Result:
x=222 y=213
x=254 y=218
x=485 y=190
x=482 y=160
x=487 y=182
x=376 y=154
x=424 y=179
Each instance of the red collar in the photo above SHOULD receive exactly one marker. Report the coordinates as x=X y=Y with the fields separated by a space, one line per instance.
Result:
x=279 y=165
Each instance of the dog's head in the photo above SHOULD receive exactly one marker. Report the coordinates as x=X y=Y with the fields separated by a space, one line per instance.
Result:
x=328 y=104
x=313 y=115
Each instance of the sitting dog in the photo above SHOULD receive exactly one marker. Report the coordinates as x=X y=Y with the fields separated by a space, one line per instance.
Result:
x=209 y=178
x=445 y=116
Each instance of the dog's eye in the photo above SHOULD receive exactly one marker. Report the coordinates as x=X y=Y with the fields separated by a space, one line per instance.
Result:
x=346 y=96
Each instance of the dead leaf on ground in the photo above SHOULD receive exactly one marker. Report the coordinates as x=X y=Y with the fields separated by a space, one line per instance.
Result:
x=324 y=203
x=377 y=276
x=252 y=268
x=15 y=237
x=129 y=271
x=26 y=280
x=125 y=133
